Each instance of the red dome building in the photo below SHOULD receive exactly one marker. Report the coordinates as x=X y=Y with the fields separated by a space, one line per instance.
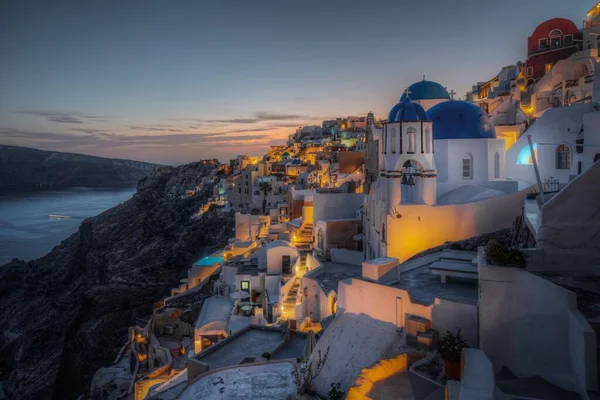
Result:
x=552 y=41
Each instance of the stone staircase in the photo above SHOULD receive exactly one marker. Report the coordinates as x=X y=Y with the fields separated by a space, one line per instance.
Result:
x=304 y=238
x=289 y=304
x=419 y=332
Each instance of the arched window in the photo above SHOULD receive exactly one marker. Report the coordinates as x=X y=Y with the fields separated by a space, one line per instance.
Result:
x=467 y=166
x=555 y=32
x=393 y=141
x=497 y=165
x=411 y=133
x=563 y=157
x=555 y=38
x=428 y=141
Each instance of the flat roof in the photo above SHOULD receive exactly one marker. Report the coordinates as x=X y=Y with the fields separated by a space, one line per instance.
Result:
x=293 y=348
x=264 y=381
x=249 y=343
x=330 y=274
x=424 y=286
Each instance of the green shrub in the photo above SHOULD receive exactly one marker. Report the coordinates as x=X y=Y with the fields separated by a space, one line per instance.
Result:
x=497 y=253
x=450 y=346
x=335 y=393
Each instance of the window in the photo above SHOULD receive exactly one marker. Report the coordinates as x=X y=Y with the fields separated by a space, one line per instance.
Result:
x=428 y=141
x=596 y=157
x=239 y=190
x=245 y=286
x=467 y=166
x=411 y=132
x=543 y=44
x=393 y=141
x=563 y=157
x=497 y=165
x=549 y=67
x=383 y=233
x=555 y=39
x=568 y=39
x=529 y=71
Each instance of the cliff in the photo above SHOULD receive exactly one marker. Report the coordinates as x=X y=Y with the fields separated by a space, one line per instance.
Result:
x=21 y=166
x=66 y=314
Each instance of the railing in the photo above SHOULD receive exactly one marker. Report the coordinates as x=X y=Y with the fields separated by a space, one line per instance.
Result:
x=550 y=185
x=553 y=48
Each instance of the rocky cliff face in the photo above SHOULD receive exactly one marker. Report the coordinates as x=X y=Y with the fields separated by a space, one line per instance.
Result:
x=20 y=166
x=66 y=314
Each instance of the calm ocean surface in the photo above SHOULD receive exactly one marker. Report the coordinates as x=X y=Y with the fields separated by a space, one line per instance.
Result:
x=27 y=231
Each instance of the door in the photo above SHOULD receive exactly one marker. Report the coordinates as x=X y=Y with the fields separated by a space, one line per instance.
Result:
x=285 y=263
x=399 y=314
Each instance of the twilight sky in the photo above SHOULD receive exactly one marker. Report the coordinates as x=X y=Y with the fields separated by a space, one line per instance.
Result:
x=174 y=81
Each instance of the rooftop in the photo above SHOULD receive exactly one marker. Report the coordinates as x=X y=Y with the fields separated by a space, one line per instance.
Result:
x=250 y=342
x=423 y=286
x=329 y=274
x=293 y=348
x=271 y=380
x=214 y=316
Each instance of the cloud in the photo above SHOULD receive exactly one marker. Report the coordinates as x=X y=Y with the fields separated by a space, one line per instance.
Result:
x=157 y=128
x=101 y=139
x=62 y=117
x=261 y=117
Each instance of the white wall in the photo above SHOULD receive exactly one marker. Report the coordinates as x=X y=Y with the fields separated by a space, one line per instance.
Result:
x=275 y=258
x=376 y=300
x=336 y=205
x=570 y=222
x=557 y=126
x=379 y=302
x=533 y=327
x=448 y=315
x=449 y=162
x=592 y=138
x=314 y=299
x=344 y=256
x=421 y=227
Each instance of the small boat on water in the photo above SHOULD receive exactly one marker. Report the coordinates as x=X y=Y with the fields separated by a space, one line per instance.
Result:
x=56 y=216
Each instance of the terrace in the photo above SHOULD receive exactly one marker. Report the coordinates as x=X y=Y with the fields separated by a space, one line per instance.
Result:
x=420 y=278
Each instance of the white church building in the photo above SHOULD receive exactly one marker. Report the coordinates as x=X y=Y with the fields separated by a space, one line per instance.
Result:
x=442 y=177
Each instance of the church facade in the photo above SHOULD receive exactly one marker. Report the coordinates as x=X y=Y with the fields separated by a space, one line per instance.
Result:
x=442 y=177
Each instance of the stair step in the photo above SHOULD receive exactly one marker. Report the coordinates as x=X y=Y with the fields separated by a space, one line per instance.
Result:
x=415 y=325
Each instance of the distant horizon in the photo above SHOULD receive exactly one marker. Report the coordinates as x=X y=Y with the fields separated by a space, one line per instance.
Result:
x=176 y=82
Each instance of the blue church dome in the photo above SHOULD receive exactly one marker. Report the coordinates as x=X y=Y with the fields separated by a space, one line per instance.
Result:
x=426 y=90
x=456 y=119
x=406 y=110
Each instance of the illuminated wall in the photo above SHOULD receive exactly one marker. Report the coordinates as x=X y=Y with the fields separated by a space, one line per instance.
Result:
x=422 y=227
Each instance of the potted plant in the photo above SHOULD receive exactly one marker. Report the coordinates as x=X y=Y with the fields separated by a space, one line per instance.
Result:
x=502 y=254
x=450 y=348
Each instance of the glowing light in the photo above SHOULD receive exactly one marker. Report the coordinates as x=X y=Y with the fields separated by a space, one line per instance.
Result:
x=524 y=157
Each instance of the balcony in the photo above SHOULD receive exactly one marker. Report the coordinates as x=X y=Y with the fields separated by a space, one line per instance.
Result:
x=549 y=49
